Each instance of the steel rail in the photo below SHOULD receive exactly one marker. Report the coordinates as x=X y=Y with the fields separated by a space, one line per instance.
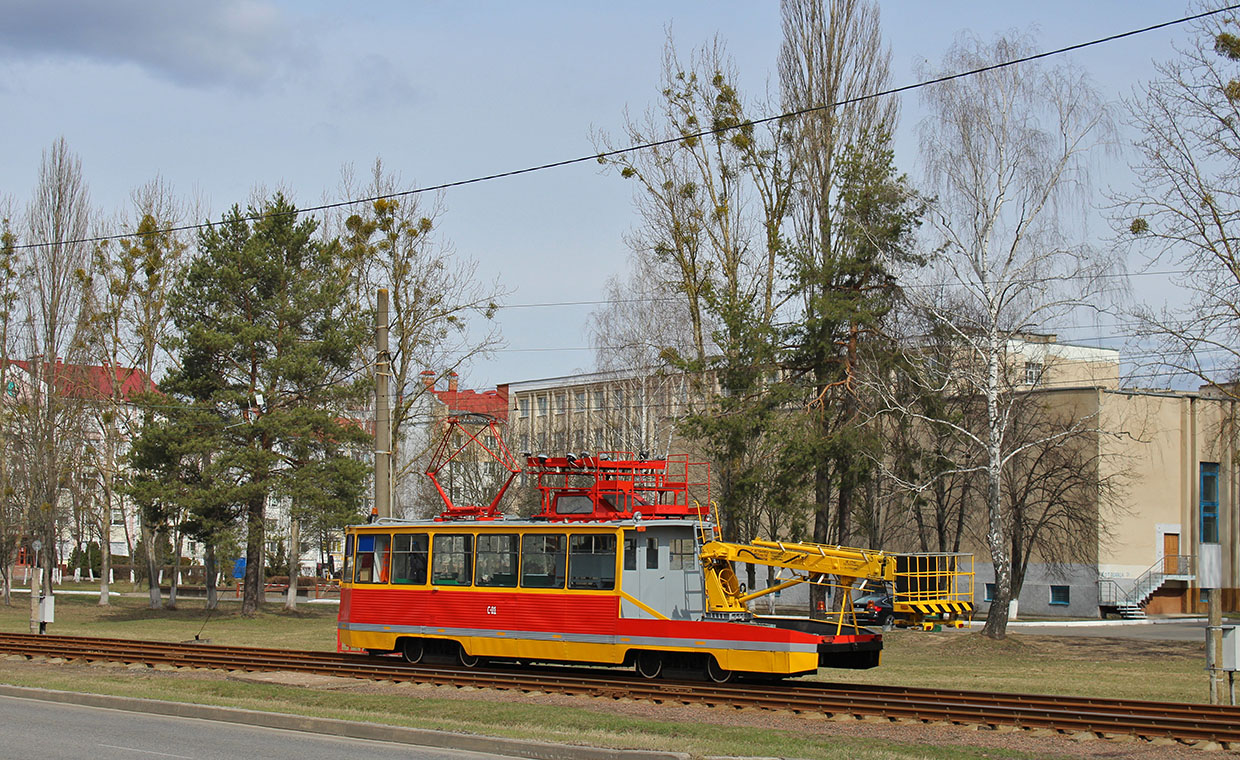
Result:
x=1188 y=723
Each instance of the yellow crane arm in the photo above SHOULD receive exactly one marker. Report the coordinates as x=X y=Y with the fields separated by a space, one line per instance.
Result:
x=927 y=581
x=818 y=559
x=725 y=595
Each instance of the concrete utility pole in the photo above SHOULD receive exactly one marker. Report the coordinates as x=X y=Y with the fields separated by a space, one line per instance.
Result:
x=36 y=577
x=1214 y=644
x=383 y=415
x=1210 y=578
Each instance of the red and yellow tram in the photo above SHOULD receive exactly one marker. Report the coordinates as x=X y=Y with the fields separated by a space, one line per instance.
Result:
x=618 y=568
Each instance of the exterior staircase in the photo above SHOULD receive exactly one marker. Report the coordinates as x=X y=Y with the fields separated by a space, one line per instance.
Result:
x=1130 y=603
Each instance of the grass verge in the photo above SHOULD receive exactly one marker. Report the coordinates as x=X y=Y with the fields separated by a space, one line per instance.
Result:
x=955 y=659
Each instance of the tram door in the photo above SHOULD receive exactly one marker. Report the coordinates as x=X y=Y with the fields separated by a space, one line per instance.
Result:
x=636 y=546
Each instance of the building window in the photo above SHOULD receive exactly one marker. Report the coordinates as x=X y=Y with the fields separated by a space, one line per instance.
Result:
x=1061 y=595
x=1033 y=373
x=118 y=517
x=542 y=405
x=600 y=398
x=617 y=399
x=524 y=406
x=1209 y=502
x=580 y=398
x=988 y=595
x=561 y=403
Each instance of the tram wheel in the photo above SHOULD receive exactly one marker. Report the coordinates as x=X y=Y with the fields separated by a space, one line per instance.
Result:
x=413 y=650
x=468 y=660
x=649 y=664
x=716 y=673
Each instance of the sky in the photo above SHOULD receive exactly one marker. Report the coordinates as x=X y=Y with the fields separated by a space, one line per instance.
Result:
x=220 y=98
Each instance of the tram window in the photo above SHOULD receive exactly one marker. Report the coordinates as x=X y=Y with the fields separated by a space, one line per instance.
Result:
x=573 y=504
x=542 y=560
x=451 y=560
x=652 y=553
x=346 y=573
x=373 y=558
x=592 y=561
x=497 y=560
x=682 y=554
x=409 y=552
x=630 y=551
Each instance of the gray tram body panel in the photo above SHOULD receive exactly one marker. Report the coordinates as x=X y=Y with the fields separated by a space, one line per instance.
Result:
x=676 y=592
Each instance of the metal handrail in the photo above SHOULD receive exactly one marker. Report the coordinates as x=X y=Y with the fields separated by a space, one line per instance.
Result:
x=1111 y=593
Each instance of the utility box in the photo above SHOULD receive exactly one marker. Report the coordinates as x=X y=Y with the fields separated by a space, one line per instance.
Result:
x=1231 y=647
x=47 y=609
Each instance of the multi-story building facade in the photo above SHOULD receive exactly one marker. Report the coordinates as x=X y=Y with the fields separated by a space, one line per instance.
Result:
x=599 y=412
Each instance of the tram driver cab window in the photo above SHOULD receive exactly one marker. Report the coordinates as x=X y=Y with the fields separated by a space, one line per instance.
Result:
x=373 y=558
x=452 y=559
x=346 y=573
x=409 y=553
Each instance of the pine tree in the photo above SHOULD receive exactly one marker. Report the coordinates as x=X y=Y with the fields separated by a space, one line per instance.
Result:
x=267 y=339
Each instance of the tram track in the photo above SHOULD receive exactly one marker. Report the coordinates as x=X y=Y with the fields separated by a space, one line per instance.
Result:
x=1104 y=718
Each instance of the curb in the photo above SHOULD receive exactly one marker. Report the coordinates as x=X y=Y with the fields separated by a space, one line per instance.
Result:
x=533 y=750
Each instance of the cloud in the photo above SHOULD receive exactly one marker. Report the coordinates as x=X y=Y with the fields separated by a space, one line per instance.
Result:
x=189 y=42
x=377 y=81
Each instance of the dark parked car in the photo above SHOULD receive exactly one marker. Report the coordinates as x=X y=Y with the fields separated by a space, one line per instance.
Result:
x=875 y=608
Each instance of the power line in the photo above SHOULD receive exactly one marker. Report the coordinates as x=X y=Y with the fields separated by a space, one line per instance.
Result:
x=603 y=156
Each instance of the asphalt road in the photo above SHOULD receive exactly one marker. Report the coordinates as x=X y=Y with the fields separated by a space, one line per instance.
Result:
x=33 y=728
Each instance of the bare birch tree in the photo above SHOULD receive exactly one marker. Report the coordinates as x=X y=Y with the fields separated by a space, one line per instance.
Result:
x=1006 y=154
x=1186 y=208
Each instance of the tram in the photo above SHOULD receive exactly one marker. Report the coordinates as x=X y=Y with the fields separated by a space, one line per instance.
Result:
x=619 y=567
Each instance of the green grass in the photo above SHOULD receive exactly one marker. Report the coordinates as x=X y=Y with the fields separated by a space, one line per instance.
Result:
x=311 y=626
x=1130 y=669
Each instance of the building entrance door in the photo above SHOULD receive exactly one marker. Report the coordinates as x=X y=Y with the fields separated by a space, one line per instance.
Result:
x=1171 y=553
